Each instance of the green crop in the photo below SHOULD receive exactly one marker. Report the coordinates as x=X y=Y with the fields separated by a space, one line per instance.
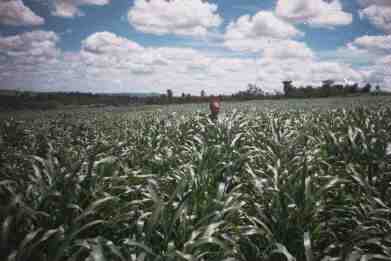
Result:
x=266 y=182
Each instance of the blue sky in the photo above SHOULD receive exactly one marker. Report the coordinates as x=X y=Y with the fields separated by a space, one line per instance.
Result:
x=190 y=45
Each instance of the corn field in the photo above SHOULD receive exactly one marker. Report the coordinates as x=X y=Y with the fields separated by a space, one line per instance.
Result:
x=262 y=183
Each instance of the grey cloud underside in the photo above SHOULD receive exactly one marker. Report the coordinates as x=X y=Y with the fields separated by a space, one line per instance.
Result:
x=16 y=13
x=379 y=16
x=377 y=12
x=315 y=13
x=71 y=8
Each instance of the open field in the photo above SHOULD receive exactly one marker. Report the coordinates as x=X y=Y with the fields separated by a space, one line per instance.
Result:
x=271 y=180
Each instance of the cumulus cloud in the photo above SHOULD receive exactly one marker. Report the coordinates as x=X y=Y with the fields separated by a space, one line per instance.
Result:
x=15 y=13
x=380 y=43
x=185 y=18
x=378 y=13
x=264 y=24
x=30 y=46
x=268 y=34
x=380 y=73
x=28 y=57
x=379 y=16
x=350 y=54
x=316 y=13
x=372 y=53
x=338 y=72
x=304 y=72
x=288 y=49
x=366 y=3
x=108 y=62
x=71 y=8
x=279 y=49
x=106 y=42
x=363 y=51
x=107 y=50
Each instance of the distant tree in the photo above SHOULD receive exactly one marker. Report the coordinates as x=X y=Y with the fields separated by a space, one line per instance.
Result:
x=170 y=94
x=308 y=91
x=183 y=95
x=251 y=92
x=288 y=88
x=353 y=88
x=328 y=83
x=163 y=98
x=326 y=88
x=377 y=88
x=254 y=90
x=203 y=94
x=367 y=88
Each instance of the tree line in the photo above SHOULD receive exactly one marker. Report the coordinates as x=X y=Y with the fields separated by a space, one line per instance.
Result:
x=37 y=100
x=328 y=89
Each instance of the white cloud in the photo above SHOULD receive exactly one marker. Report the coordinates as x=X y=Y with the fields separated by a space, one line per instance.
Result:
x=25 y=57
x=338 y=72
x=373 y=43
x=386 y=60
x=379 y=16
x=30 y=46
x=106 y=42
x=107 y=50
x=266 y=33
x=380 y=73
x=15 y=13
x=71 y=8
x=350 y=54
x=186 y=18
x=110 y=63
x=262 y=25
x=366 y=3
x=316 y=13
x=378 y=13
x=371 y=57
x=304 y=72
x=279 y=49
x=288 y=49
x=362 y=51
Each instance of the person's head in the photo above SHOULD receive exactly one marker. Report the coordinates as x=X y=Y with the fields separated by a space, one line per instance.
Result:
x=215 y=105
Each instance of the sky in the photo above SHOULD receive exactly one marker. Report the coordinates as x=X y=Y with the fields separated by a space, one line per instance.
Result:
x=219 y=46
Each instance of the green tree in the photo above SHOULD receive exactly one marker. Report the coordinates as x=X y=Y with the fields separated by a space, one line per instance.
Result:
x=326 y=89
x=288 y=88
x=367 y=88
x=170 y=94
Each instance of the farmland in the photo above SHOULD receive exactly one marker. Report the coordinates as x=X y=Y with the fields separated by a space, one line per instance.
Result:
x=271 y=180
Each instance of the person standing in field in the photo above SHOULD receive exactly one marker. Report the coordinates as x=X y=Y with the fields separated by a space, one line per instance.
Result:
x=214 y=107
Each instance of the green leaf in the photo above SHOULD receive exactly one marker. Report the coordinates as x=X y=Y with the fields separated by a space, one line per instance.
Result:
x=308 y=248
x=281 y=249
x=92 y=208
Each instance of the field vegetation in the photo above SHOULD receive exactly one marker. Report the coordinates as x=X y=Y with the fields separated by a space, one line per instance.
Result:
x=24 y=100
x=270 y=180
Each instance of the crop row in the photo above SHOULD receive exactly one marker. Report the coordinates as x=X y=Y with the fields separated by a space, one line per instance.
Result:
x=256 y=185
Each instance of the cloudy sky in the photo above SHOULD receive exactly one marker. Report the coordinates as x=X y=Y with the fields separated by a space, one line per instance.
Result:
x=191 y=45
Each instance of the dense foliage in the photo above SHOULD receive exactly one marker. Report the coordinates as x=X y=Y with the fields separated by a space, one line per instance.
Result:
x=19 y=100
x=328 y=89
x=259 y=184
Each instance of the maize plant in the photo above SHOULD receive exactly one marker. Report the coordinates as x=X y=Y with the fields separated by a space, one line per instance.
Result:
x=279 y=180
